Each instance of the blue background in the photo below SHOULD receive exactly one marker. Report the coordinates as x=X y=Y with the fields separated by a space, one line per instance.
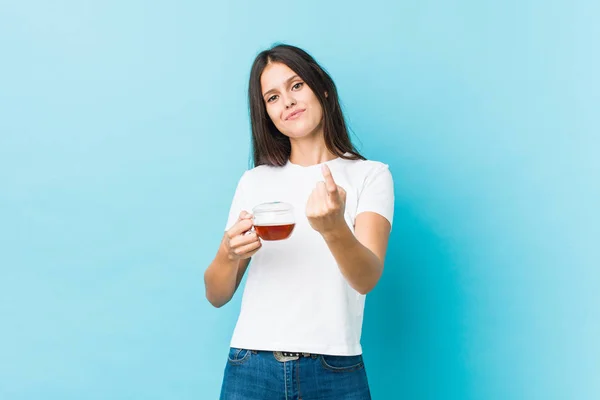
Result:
x=123 y=131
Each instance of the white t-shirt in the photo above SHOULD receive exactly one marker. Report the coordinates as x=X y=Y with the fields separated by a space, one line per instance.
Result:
x=296 y=298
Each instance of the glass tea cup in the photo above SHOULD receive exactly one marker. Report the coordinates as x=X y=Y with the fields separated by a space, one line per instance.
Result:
x=274 y=220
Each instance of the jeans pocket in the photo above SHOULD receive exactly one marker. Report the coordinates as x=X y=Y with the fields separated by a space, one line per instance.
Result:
x=238 y=356
x=342 y=363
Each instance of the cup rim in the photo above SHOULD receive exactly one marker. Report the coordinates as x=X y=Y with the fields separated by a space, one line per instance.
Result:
x=272 y=206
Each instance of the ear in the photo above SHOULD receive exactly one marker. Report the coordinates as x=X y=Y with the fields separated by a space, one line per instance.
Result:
x=326 y=95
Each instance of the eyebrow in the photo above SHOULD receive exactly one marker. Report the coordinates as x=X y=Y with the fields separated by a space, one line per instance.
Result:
x=286 y=83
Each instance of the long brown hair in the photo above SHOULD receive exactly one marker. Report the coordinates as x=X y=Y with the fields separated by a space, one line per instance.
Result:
x=271 y=147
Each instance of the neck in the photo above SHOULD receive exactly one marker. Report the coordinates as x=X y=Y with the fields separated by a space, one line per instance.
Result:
x=310 y=151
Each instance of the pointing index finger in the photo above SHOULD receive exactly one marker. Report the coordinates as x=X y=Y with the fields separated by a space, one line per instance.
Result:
x=329 y=182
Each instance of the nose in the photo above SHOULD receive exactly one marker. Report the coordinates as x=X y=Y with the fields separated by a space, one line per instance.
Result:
x=289 y=102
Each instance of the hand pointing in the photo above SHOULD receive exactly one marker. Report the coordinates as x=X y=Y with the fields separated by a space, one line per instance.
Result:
x=326 y=204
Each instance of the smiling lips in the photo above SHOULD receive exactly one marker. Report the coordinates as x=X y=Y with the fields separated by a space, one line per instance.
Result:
x=295 y=114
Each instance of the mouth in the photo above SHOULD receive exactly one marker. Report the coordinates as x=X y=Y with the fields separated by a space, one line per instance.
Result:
x=295 y=114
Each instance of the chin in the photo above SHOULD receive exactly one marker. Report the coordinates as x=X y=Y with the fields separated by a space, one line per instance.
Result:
x=299 y=133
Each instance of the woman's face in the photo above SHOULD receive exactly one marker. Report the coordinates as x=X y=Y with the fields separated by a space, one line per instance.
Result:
x=291 y=104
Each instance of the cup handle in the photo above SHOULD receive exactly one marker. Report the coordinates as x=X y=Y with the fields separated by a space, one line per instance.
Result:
x=251 y=230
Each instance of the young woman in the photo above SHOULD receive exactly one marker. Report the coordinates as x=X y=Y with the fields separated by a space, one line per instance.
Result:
x=298 y=332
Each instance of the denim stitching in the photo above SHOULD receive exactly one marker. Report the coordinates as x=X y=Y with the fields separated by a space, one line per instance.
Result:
x=285 y=380
x=240 y=361
x=341 y=369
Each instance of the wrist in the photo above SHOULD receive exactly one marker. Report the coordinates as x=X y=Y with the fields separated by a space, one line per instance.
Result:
x=225 y=254
x=341 y=232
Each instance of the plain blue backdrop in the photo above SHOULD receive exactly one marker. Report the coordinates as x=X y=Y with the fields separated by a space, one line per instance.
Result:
x=123 y=131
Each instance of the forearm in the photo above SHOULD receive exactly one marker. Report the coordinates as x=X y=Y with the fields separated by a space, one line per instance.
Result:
x=359 y=265
x=220 y=278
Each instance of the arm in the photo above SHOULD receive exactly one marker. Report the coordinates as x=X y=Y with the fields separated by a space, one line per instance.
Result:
x=225 y=272
x=360 y=256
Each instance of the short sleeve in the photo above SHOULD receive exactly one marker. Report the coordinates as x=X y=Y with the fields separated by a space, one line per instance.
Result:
x=237 y=204
x=377 y=194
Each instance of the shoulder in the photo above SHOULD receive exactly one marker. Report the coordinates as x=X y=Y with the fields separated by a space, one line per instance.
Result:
x=259 y=173
x=366 y=168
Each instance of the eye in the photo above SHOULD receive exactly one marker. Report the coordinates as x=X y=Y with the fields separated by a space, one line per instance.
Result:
x=272 y=98
x=298 y=85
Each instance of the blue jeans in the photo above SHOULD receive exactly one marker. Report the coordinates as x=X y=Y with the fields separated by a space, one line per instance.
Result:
x=258 y=375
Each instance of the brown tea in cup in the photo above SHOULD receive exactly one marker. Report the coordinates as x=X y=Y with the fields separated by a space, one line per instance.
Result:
x=274 y=221
x=274 y=232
